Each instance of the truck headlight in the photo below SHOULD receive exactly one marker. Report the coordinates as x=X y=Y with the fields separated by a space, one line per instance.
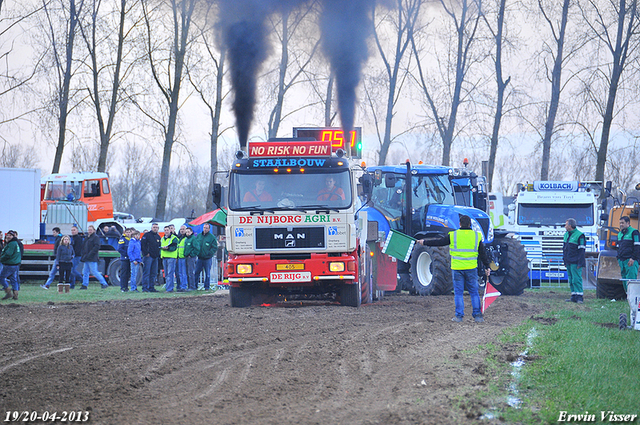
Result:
x=336 y=266
x=475 y=226
x=244 y=268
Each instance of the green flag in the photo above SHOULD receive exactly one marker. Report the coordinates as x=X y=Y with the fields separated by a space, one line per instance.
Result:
x=398 y=245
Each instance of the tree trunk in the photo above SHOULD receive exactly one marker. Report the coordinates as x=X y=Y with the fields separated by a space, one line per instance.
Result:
x=501 y=86
x=215 y=130
x=64 y=90
x=556 y=79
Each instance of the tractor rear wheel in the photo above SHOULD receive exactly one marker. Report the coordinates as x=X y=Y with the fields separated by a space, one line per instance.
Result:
x=431 y=270
x=516 y=268
x=239 y=297
x=610 y=289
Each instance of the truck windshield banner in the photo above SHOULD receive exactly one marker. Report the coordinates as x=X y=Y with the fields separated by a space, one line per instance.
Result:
x=540 y=186
x=294 y=149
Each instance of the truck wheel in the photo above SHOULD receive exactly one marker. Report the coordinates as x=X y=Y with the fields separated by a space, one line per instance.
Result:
x=610 y=289
x=516 y=274
x=351 y=295
x=113 y=272
x=431 y=270
x=239 y=297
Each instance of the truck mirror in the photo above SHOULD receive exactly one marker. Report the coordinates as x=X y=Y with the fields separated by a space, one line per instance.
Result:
x=604 y=217
x=638 y=186
x=366 y=180
x=217 y=193
x=390 y=180
x=607 y=187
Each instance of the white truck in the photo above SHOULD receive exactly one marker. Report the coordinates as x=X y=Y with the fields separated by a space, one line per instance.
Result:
x=538 y=216
x=20 y=194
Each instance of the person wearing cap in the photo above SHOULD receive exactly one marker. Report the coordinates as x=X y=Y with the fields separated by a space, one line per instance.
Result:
x=10 y=259
x=465 y=247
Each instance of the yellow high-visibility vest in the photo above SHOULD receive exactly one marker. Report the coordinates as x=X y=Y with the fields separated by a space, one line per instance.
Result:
x=463 y=247
x=166 y=242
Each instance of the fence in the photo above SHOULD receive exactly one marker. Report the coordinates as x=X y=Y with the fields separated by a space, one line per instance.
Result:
x=550 y=272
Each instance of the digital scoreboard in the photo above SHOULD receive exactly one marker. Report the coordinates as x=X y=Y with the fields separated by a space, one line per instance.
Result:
x=335 y=135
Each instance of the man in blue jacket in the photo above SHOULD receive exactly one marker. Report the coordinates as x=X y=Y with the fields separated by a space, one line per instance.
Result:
x=125 y=264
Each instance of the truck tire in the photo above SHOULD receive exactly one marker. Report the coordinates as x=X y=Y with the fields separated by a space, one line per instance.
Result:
x=516 y=276
x=351 y=295
x=114 y=273
x=240 y=297
x=431 y=270
x=610 y=289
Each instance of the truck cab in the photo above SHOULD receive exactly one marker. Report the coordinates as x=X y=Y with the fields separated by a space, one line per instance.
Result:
x=292 y=225
x=90 y=188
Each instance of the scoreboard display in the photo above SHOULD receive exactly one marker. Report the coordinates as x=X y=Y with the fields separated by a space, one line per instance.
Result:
x=336 y=136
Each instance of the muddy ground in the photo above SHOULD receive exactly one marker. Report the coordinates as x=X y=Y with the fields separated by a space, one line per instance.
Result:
x=196 y=360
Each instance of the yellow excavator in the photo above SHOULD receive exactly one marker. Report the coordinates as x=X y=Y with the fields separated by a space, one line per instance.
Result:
x=609 y=281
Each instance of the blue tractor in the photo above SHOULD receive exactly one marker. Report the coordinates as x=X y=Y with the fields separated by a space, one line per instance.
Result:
x=439 y=196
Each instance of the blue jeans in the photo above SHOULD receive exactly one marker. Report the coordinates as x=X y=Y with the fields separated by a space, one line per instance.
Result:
x=75 y=273
x=92 y=266
x=53 y=273
x=134 y=276
x=169 y=273
x=206 y=264
x=10 y=272
x=182 y=272
x=468 y=279
x=191 y=272
x=149 y=273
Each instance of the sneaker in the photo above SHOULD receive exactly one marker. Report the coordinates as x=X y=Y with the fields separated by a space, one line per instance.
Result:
x=124 y=290
x=457 y=319
x=44 y=286
x=83 y=287
x=104 y=286
x=479 y=319
x=133 y=290
x=169 y=292
x=181 y=290
x=152 y=290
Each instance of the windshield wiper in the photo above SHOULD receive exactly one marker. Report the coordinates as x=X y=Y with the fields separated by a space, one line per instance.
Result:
x=256 y=210
x=321 y=208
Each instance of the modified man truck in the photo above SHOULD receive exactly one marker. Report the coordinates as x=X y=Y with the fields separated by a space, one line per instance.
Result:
x=538 y=216
x=438 y=196
x=294 y=226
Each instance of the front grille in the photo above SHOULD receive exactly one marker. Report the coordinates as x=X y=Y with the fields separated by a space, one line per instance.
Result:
x=484 y=223
x=292 y=256
x=290 y=238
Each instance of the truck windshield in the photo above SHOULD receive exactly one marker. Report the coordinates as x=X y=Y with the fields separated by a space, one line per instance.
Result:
x=290 y=191
x=388 y=194
x=62 y=191
x=555 y=214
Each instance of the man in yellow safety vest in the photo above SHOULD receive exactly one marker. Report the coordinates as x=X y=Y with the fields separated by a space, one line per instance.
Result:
x=465 y=247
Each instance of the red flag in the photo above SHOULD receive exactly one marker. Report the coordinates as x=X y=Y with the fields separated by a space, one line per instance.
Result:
x=490 y=295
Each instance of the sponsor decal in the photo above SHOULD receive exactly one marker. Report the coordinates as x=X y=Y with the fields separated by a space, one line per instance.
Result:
x=239 y=232
x=333 y=230
x=553 y=185
x=275 y=149
x=285 y=277
x=288 y=162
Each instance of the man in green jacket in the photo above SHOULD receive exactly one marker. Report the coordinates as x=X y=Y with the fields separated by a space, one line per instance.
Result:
x=10 y=259
x=191 y=257
x=573 y=256
x=207 y=246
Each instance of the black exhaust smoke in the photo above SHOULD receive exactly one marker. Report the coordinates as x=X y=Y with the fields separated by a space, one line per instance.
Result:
x=345 y=27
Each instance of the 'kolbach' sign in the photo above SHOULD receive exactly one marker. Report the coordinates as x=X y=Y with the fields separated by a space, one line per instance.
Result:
x=280 y=149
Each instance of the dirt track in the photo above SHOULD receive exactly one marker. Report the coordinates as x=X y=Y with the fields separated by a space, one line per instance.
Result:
x=196 y=360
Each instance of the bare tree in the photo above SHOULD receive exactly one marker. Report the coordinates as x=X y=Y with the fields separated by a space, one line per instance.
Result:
x=403 y=19
x=182 y=13
x=201 y=75
x=615 y=26
x=18 y=156
x=96 y=42
x=557 y=52
x=63 y=65
x=465 y=17
x=132 y=186
x=501 y=85
x=293 y=61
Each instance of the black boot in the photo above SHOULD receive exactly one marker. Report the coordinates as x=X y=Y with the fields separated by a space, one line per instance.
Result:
x=579 y=299
x=573 y=299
